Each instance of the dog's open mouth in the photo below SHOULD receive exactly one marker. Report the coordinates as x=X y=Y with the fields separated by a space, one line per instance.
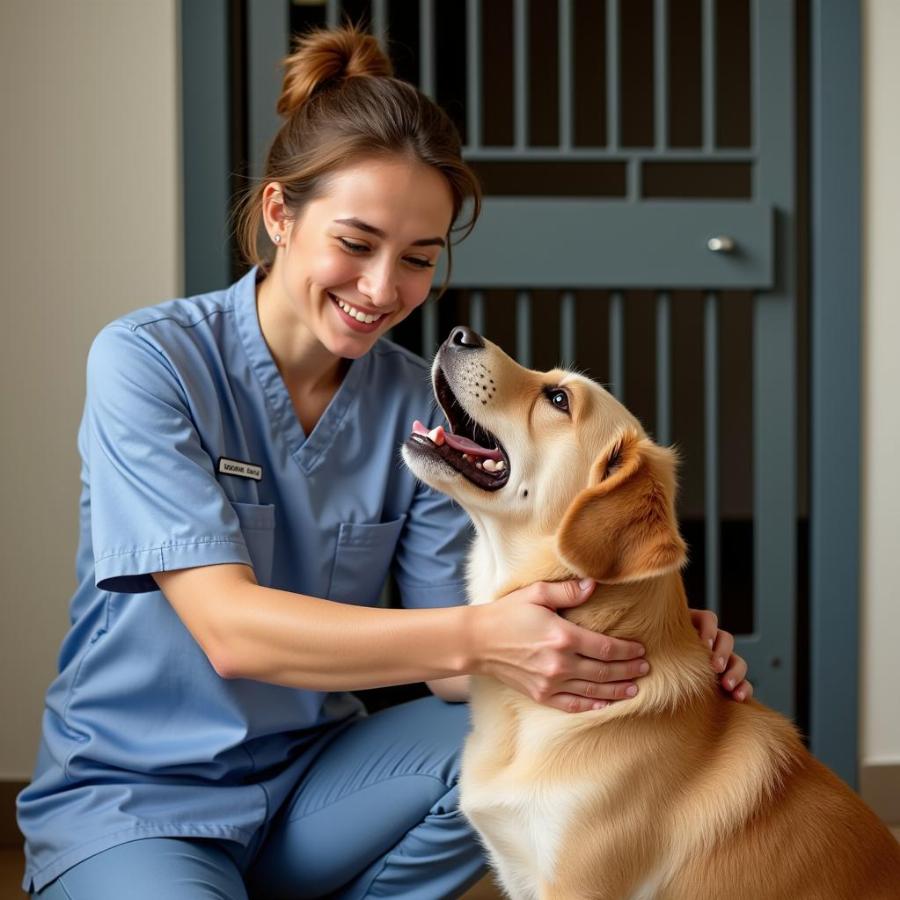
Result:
x=467 y=447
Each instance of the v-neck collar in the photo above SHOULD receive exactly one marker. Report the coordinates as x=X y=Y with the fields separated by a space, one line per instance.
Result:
x=307 y=450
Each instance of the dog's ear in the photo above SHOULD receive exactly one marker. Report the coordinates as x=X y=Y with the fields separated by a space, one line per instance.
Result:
x=622 y=526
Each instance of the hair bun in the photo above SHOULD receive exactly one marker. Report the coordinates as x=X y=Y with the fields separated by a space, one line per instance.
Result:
x=322 y=57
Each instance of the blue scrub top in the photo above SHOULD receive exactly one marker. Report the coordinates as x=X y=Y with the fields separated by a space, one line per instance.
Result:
x=140 y=736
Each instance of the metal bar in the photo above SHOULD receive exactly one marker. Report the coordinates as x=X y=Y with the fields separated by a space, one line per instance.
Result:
x=379 y=22
x=709 y=75
x=835 y=385
x=476 y=311
x=523 y=328
x=426 y=47
x=546 y=255
x=332 y=13
x=268 y=38
x=205 y=154
x=663 y=368
x=617 y=344
x=774 y=362
x=520 y=61
x=711 y=433
x=567 y=349
x=599 y=154
x=661 y=74
x=473 y=76
x=633 y=180
x=612 y=74
x=566 y=94
x=429 y=328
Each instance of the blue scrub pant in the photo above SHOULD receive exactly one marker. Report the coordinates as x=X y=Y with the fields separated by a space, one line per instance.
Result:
x=375 y=815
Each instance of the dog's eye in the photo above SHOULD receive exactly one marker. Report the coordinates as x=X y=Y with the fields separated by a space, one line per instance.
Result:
x=559 y=398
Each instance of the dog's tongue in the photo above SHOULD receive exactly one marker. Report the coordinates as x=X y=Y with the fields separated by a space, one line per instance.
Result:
x=463 y=444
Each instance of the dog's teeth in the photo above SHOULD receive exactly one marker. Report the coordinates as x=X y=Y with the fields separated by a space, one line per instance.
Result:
x=479 y=466
x=490 y=465
x=499 y=465
x=467 y=457
x=437 y=435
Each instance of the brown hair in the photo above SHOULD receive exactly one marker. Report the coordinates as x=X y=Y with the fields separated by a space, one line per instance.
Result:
x=341 y=103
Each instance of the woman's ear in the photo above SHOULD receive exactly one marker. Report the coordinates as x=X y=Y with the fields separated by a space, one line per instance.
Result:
x=622 y=526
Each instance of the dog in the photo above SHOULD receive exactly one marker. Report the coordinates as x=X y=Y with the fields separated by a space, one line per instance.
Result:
x=679 y=793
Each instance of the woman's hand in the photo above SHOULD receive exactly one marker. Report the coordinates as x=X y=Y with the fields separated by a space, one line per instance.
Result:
x=523 y=642
x=732 y=668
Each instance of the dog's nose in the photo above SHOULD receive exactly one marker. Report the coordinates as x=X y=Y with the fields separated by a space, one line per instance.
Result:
x=463 y=338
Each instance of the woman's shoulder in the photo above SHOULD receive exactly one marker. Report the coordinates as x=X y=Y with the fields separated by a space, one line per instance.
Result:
x=178 y=312
x=163 y=339
x=172 y=324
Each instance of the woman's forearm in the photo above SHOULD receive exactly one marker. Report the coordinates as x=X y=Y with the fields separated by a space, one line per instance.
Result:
x=302 y=641
x=305 y=642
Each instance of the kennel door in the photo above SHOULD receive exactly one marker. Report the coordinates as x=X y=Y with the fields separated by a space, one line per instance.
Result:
x=638 y=165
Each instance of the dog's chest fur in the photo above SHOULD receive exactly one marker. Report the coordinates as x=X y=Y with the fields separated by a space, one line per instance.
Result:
x=522 y=819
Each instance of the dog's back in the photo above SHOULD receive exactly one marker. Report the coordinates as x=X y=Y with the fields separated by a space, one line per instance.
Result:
x=810 y=837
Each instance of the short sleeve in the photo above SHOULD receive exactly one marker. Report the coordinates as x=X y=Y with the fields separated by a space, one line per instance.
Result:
x=431 y=554
x=155 y=503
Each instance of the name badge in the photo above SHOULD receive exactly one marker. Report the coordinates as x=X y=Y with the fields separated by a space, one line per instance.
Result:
x=240 y=468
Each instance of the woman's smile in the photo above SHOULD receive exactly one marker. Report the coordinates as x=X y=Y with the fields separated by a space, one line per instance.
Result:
x=356 y=318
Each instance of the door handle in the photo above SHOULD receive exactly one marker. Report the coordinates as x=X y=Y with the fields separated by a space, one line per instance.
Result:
x=721 y=244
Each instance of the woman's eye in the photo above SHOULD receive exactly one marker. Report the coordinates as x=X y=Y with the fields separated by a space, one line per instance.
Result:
x=416 y=261
x=559 y=398
x=353 y=248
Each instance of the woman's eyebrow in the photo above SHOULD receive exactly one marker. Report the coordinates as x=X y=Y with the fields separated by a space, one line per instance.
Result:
x=364 y=226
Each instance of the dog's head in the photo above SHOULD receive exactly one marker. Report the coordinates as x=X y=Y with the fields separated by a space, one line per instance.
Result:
x=549 y=456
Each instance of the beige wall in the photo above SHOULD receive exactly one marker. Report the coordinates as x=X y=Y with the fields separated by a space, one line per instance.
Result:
x=90 y=163
x=91 y=196
x=880 y=645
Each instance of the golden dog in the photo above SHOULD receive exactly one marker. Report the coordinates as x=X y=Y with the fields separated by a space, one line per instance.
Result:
x=679 y=792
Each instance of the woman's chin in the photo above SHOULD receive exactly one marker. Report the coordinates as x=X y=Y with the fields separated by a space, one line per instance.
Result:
x=352 y=346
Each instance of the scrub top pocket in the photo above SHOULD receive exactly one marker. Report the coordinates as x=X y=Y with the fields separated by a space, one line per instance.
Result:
x=362 y=560
x=258 y=527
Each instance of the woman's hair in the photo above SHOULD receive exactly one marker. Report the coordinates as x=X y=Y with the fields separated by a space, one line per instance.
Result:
x=341 y=104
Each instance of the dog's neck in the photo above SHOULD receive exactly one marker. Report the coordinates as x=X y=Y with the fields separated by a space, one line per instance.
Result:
x=652 y=611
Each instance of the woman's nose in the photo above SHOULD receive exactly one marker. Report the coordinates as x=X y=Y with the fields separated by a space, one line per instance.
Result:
x=379 y=286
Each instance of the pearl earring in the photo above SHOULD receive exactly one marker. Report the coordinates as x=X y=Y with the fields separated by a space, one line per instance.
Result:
x=277 y=238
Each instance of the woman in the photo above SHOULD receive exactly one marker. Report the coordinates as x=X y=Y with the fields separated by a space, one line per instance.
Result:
x=239 y=466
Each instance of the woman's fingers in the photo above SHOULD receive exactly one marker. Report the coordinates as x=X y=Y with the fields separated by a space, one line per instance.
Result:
x=706 y=623
x=735 y=673
x=599 y=672
x=722 y=649
x=574 y=704
x=603 y=648
x=591 y=690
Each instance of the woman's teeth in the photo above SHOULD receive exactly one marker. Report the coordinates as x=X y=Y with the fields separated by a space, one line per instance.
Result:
x=357 y=314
